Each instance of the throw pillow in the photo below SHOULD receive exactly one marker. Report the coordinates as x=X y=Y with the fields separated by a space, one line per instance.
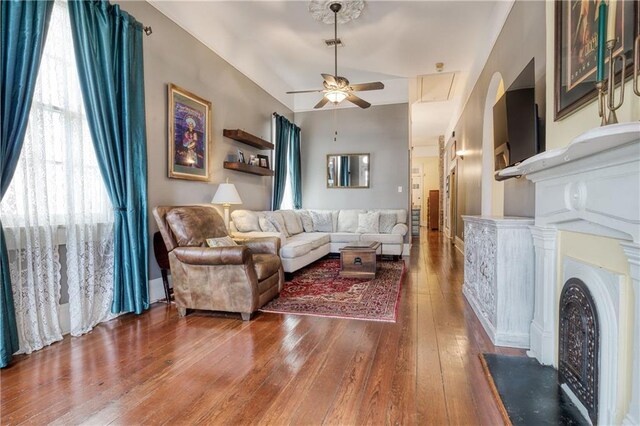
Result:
x=387 y=222
x=322 y=221
x=292 y=222
x=277 y=221
x=266 y=225
x=348 y=220
x=221 y=242
x=245 y=220
x=305 y=218
x=368 y=223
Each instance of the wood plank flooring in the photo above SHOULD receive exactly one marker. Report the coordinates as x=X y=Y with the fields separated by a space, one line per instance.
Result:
x=277 y=369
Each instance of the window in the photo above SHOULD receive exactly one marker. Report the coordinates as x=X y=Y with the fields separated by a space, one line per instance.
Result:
x=57 y=173
x=287 y=198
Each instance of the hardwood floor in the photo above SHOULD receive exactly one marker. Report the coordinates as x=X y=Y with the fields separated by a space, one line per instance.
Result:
x=276 y=369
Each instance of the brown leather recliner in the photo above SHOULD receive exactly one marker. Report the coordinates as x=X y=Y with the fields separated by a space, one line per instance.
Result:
x=233 y=279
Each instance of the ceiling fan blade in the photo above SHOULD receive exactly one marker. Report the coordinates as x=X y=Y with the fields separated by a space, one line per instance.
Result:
x=330 y=79
x=322 y=103
x=358 y=101
x=305 y=91
x=367 y=86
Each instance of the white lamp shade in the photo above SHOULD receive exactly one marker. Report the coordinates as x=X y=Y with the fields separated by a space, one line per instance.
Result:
x=226 y=194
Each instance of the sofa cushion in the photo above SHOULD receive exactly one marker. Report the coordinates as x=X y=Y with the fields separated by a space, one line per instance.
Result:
x=345 y=237
x=265 y=265
x=387 y=222
x=191 y=226
x=317 y=239
x=246 y=220
x=292 y=222
x=295 y=249
x=348 y=220
x=266 y=225
x=322 y=220
x=368 y=223
x=383 y=238
x=221 y=242
x=305 y=218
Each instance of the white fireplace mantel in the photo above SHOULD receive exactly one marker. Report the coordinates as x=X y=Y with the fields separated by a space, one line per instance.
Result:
x=591 y=186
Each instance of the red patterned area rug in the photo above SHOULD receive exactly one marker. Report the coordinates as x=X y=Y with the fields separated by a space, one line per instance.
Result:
x=319 y=290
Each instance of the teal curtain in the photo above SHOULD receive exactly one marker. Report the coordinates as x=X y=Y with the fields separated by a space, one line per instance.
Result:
x=23 y=33
x=344 y=170
x=108 y=46
x=295 y=173
x=283 y=129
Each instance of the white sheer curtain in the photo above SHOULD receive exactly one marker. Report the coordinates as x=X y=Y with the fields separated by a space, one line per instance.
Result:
x=57 y=197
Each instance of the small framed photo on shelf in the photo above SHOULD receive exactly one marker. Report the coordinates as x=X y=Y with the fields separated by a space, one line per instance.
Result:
x=264 y=161
x=253 y=160
x=241 y=157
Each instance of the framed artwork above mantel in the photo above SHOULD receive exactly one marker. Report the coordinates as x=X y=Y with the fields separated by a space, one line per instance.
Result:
x=575 y=50
x=189 y=136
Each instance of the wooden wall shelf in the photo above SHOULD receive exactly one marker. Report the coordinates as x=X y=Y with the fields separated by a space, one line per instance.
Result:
x=247 y=168
x=247 y=138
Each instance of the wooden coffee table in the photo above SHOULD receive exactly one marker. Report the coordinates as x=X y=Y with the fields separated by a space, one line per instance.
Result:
x=359 y=260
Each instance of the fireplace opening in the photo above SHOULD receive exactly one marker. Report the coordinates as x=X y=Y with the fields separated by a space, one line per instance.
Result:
x=578 y=364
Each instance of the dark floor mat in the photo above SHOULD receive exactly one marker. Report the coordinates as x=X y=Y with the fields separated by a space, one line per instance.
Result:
x=529 y=392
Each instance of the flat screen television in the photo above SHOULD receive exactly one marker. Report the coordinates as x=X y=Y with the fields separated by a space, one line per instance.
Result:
x=515 y=121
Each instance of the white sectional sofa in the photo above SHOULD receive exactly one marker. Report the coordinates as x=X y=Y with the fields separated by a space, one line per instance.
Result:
x=308 y=235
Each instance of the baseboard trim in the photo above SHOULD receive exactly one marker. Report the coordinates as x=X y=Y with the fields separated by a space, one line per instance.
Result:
x=459 y=244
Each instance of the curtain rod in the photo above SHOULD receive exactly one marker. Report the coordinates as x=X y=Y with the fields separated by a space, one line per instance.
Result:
x=147 y=30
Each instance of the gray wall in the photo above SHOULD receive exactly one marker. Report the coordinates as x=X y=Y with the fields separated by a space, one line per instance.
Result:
x=171 y=55
x=522 y=38
x=381 y=131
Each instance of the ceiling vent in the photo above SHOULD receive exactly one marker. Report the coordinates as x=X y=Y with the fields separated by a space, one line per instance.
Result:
x=334 y=41
x=436 y=87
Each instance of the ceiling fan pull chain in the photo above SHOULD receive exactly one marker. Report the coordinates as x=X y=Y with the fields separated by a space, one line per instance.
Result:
x=335 y=124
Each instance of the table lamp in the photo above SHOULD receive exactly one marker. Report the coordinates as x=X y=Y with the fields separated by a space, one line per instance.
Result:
x=226 y=195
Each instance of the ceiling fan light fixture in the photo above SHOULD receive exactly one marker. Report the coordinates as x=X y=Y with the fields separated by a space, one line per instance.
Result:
x=335 y=96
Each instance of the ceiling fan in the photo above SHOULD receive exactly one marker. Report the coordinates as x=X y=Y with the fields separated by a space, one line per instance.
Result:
x=336 y=88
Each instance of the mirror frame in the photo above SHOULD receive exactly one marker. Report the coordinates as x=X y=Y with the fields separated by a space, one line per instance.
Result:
x=326 y=168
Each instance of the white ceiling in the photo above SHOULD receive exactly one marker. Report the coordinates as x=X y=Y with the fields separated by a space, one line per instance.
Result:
x=280 y=46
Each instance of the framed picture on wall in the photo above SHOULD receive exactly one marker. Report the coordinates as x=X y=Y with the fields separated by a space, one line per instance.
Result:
x=189 y=135
x=452 y=151
x=575 y=50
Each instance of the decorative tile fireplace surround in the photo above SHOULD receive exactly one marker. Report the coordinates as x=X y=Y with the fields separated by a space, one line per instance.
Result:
x=592 y=186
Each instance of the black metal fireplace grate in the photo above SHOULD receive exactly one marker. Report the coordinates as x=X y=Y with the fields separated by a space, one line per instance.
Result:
x=578 y=365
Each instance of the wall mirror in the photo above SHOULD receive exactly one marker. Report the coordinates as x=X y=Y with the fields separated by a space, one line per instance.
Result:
x=348 y=171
